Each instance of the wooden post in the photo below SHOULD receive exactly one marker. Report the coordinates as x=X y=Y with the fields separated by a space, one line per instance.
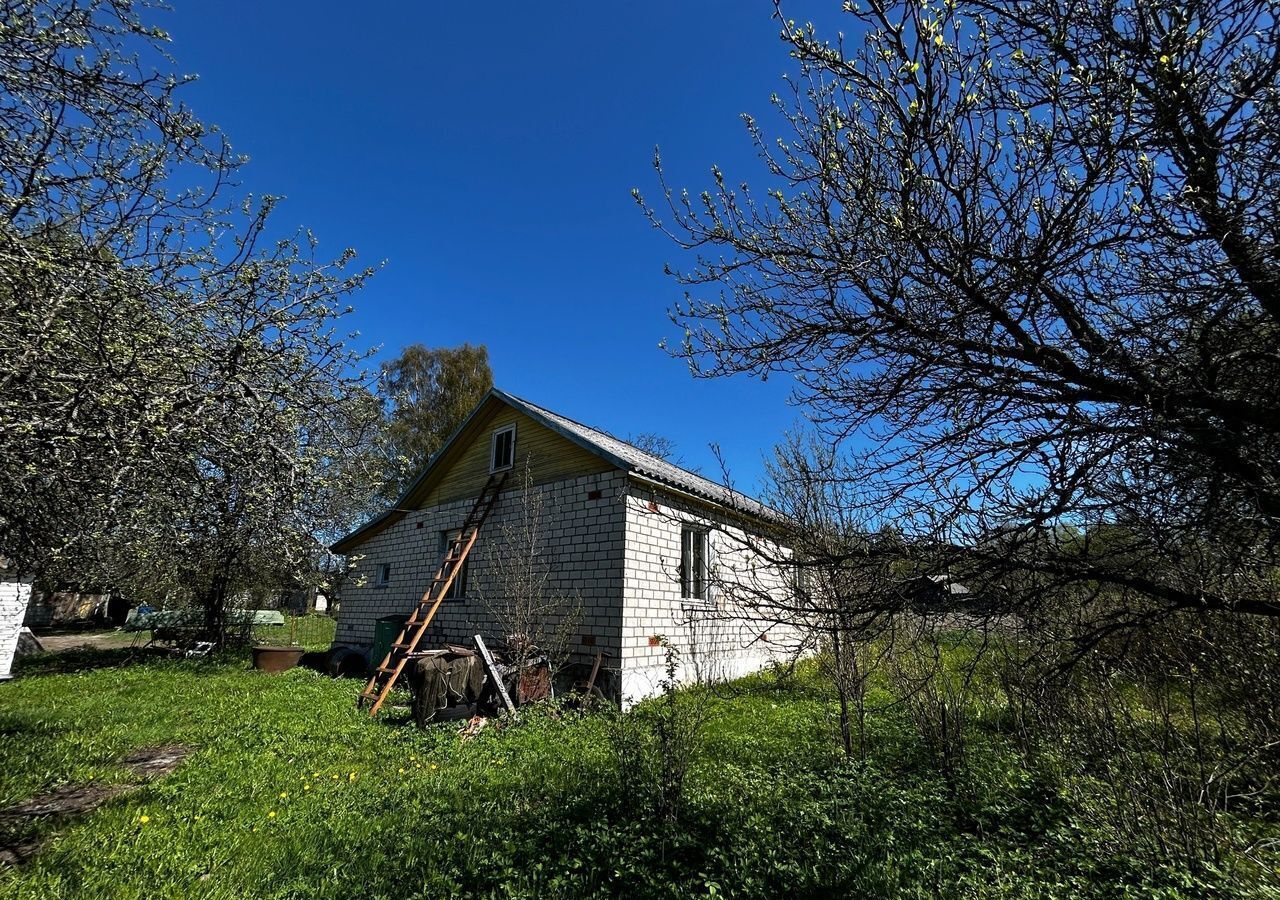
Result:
x=492 y=668
x=595 y=670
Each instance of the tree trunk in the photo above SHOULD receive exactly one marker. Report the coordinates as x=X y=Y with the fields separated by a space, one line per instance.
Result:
x=838 y=651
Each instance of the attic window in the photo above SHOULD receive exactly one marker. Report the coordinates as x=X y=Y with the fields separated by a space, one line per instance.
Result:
x=503 y=453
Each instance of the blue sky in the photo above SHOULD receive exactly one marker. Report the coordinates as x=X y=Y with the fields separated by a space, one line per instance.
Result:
x=487 y=153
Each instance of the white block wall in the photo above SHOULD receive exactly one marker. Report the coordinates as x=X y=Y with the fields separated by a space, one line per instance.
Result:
x=717 y=638
x=614 y=552
x=584 y=538
x=14 y=595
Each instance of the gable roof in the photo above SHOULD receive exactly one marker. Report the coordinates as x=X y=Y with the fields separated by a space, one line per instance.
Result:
x=633 y=459
x=617 y=452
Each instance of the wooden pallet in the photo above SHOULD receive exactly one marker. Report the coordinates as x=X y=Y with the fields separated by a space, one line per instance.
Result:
x=388 y=671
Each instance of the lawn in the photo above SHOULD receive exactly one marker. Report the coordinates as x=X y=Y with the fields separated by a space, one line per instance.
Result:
x=290 y=792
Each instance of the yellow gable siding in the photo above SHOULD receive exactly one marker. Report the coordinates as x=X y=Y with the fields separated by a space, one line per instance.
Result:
x=550 y=458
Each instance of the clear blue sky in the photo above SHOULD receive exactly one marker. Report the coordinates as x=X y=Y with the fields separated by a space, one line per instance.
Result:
x=487 y=151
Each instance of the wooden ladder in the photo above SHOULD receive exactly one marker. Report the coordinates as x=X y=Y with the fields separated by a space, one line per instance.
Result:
x=385 y=675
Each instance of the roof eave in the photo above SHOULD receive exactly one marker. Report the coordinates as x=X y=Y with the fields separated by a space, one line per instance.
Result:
x=541 y=418
x=350 y=541
x=403 y=504
x=765 y=516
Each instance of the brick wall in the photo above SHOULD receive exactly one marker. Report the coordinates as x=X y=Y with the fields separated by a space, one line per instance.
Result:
x=584 y=540
x=717 y=638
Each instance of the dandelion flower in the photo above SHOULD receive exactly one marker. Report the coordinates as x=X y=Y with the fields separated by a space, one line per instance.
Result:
x=284 y=795
x=144 y=819
x=306 y=787
x=272 y=814
x=433 y=766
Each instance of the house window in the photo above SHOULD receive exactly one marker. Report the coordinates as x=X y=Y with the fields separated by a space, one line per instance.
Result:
x=801 y=576
x=382 y=575
x=693 y=563
x=457 y=590
x=504 y=449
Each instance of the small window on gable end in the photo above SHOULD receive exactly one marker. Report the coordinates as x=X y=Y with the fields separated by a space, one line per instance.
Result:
x=503 y=451
x=382 y=577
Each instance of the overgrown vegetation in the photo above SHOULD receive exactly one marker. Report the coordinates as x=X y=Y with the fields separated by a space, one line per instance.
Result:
x=1019 y=259
x=1024 y=251
x=292 y=792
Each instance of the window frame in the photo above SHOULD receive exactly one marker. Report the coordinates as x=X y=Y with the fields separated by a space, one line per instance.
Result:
x=801 y=583
x=457 y=592
x=382 y=575
x=695 y=551
x=493 y=448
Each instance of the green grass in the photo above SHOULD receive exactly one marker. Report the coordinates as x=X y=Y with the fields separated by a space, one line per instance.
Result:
x=293 y=793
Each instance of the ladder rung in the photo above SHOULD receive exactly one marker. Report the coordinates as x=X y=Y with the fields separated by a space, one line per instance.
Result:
x=384 y=677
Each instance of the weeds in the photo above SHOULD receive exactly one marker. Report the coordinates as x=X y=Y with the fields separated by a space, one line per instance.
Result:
x=657 y=744
x=751 y=797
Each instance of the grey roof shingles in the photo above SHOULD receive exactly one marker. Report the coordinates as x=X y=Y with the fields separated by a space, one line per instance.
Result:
x=619 y=452
x=627 y=456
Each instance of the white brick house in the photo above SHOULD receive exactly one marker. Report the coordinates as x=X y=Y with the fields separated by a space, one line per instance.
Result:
x=643 y=543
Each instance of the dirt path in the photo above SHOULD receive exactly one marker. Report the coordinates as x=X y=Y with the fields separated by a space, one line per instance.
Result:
x=87 y=640
x=148 y=764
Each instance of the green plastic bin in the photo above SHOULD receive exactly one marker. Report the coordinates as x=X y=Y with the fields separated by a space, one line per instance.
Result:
x=385 y=630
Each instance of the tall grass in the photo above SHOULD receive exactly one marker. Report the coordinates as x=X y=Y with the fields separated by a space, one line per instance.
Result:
x=291 y=792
